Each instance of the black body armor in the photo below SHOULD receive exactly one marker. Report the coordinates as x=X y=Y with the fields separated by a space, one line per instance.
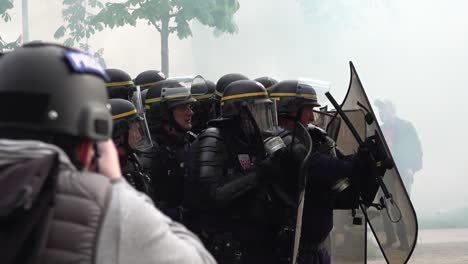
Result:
x=132 y=171
x=230 y=204
x=166 y=166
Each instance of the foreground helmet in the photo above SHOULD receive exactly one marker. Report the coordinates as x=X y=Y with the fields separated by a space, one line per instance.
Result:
x=129 y=124
x=251 y=94
x=292 y=95
x=54 y=89
x=148 y=78
x=120 y=84
x=267 y=82
x=162 y=97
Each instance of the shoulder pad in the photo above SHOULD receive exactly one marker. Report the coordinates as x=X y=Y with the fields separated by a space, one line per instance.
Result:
x=211 y=132
x=219 y=122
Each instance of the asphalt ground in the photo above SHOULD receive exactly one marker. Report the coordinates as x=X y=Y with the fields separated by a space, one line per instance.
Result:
x=438 y=246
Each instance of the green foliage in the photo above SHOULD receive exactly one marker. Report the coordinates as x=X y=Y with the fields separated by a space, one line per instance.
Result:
x=213 y=13
x=78 y=27
x=168 y=17
x=4 y=45
x=6 y=5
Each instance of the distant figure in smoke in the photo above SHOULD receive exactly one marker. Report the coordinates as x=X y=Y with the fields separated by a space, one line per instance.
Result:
x=403 y=142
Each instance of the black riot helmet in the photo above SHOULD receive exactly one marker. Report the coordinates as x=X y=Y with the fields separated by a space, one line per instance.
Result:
x=222 y=83
x=225 y=80
x=203 y=91
x=148 y=78
x=204 y=109
x=130 y=128
x=120 y=84
x=161 y=98
x=293 y=95
x=267 y=82
x=253 y=95
x=53 y=89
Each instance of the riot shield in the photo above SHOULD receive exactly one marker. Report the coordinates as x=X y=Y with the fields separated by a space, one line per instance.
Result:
x=303 y=136
x=388 y=210
x=347 y=241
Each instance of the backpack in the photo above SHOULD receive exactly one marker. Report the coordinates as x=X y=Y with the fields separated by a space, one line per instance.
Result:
x=27 y=191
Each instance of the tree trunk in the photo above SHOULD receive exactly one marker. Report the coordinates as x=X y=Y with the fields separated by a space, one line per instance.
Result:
x=25 y=18
x=165 y=46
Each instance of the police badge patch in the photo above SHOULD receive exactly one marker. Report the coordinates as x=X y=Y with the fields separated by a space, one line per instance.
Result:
x=85 y=63
x=244 y=160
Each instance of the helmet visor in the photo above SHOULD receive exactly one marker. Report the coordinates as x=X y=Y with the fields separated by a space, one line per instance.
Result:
x=264 y=113
x=197 y=84
x=177 y=96
x=137 y=101
x=138 y=134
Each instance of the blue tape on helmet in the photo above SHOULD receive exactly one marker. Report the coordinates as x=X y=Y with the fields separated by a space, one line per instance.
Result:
x=85 y=63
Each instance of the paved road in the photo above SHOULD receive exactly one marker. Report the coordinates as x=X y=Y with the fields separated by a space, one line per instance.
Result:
x=439 y=246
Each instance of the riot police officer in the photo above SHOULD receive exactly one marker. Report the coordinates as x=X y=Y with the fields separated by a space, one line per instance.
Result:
x=228 y=198
x=131 y=136
x=221 y=84
x=168 y=110
x=204 y=108
x=120 y=84
x=328 y=178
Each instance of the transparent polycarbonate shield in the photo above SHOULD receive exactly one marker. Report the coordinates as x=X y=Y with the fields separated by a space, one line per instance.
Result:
x=197 y=84
x=186 y=81
x=328 y=122
x=199 y=87
x=139 y=137
x=302 y=135
x=137 y=100
x=348 y=237
x=264 y=113
x=391 y=215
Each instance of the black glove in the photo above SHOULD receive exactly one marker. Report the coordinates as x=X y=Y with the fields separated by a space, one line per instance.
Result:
x=367 y=169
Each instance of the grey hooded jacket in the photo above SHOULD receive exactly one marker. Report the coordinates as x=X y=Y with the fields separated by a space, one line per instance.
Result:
x=99 y=221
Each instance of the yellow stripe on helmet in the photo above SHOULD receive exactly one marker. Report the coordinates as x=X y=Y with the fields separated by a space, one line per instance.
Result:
x=305 y=95
x=114 y=84
x=236 y=96
x=147 y=84
x=218 y=93
x=152 y=100
x=131 y=112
